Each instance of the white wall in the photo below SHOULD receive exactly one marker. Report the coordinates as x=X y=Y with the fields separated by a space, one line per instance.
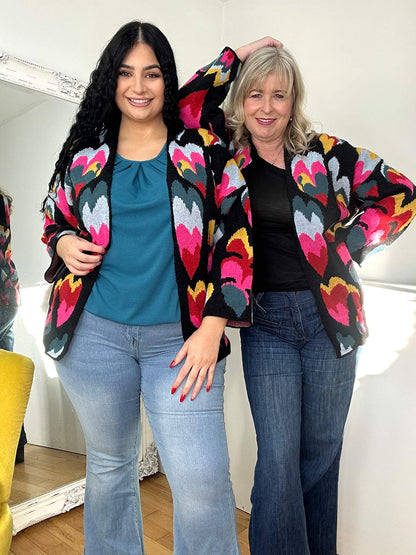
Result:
x=378 y=485
x=70 y=35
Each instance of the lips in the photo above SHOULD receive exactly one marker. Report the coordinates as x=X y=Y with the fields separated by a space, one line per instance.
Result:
x=139 y=101
x=265 y=121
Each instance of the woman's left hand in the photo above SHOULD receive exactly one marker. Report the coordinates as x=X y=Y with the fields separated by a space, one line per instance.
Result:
x=201 y=352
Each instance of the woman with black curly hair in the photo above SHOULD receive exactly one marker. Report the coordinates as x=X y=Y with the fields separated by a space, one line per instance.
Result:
x=146 y=223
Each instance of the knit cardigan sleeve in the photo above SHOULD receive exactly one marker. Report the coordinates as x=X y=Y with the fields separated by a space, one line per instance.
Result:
x=202 y=96
x=231 y=259
x=385 y=201
x=59 y=220
x=84 y=185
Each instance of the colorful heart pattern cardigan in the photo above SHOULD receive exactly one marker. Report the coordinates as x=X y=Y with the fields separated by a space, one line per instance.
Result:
x=346 y=203
x=9 y=280
x=210 y=229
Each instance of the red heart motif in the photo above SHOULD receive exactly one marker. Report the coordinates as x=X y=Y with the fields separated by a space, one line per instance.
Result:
x=322 y=198
x=69 y=293
x=315 y=251
x=196 y=303
x=336 y=299
x=189 y=247
x=190 y=108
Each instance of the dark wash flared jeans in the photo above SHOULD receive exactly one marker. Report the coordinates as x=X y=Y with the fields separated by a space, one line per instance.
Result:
x=299 y=393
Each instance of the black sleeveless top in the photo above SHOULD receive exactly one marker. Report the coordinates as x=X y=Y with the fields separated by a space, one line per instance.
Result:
x=277 y=262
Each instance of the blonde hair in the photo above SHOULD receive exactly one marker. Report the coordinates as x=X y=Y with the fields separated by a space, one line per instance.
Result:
x=265 y=61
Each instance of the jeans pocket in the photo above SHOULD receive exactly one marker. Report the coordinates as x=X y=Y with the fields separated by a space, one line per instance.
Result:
x=256 y=303
x=269 y=312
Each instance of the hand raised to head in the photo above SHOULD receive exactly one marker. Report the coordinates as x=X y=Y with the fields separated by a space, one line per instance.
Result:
x=243 y=52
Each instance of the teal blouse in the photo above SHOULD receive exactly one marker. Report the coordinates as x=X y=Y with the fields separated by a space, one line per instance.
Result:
x=136 y=284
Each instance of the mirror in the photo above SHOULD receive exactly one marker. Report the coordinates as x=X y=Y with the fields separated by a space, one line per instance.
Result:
x=37 y=106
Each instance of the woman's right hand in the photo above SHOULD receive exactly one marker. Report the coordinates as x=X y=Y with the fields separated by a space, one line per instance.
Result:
x=243 y=52
x=80 y=256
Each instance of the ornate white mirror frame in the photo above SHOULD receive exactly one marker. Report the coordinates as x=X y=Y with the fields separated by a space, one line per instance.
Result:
x=32 y=76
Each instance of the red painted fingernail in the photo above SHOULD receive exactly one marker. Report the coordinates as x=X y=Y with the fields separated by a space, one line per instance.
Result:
x=208 y=388
x=182 y=399
x=173 y=390
x=193 y=396
x=172 y=364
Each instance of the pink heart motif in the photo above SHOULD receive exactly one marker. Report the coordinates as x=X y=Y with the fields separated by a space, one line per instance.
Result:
x=364 y=166
x=189 y=247
x=231 y=175
x=310 y=174
x=309 y=226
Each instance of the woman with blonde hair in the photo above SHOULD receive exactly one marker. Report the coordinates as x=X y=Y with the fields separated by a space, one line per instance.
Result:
x=279 y=62
x=319 y=205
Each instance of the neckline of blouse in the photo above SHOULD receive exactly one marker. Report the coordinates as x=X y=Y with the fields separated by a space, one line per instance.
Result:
x=154 y=159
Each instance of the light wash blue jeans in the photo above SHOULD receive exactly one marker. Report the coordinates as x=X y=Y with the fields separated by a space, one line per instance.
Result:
x=299 y=393
x=106 y=368
x=7 y=317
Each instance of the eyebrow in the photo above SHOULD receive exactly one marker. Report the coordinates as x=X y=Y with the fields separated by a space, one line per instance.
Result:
x=260 y=89
x=153 y=66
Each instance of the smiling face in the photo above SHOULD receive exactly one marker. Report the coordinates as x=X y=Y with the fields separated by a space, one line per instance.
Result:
x=140 y=86
x=267 y=110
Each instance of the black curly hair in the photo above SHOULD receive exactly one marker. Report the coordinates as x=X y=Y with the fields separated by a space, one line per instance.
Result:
x=98 y=112
x=8 y=198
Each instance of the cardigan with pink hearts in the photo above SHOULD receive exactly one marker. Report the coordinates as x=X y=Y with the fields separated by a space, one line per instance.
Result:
x=210 y=229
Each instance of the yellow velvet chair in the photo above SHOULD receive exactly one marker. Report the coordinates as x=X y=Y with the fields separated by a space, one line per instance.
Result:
x=16 y=375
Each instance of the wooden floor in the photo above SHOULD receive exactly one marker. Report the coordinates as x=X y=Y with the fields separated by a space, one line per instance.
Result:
x=63 y=534
x=44 y=470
